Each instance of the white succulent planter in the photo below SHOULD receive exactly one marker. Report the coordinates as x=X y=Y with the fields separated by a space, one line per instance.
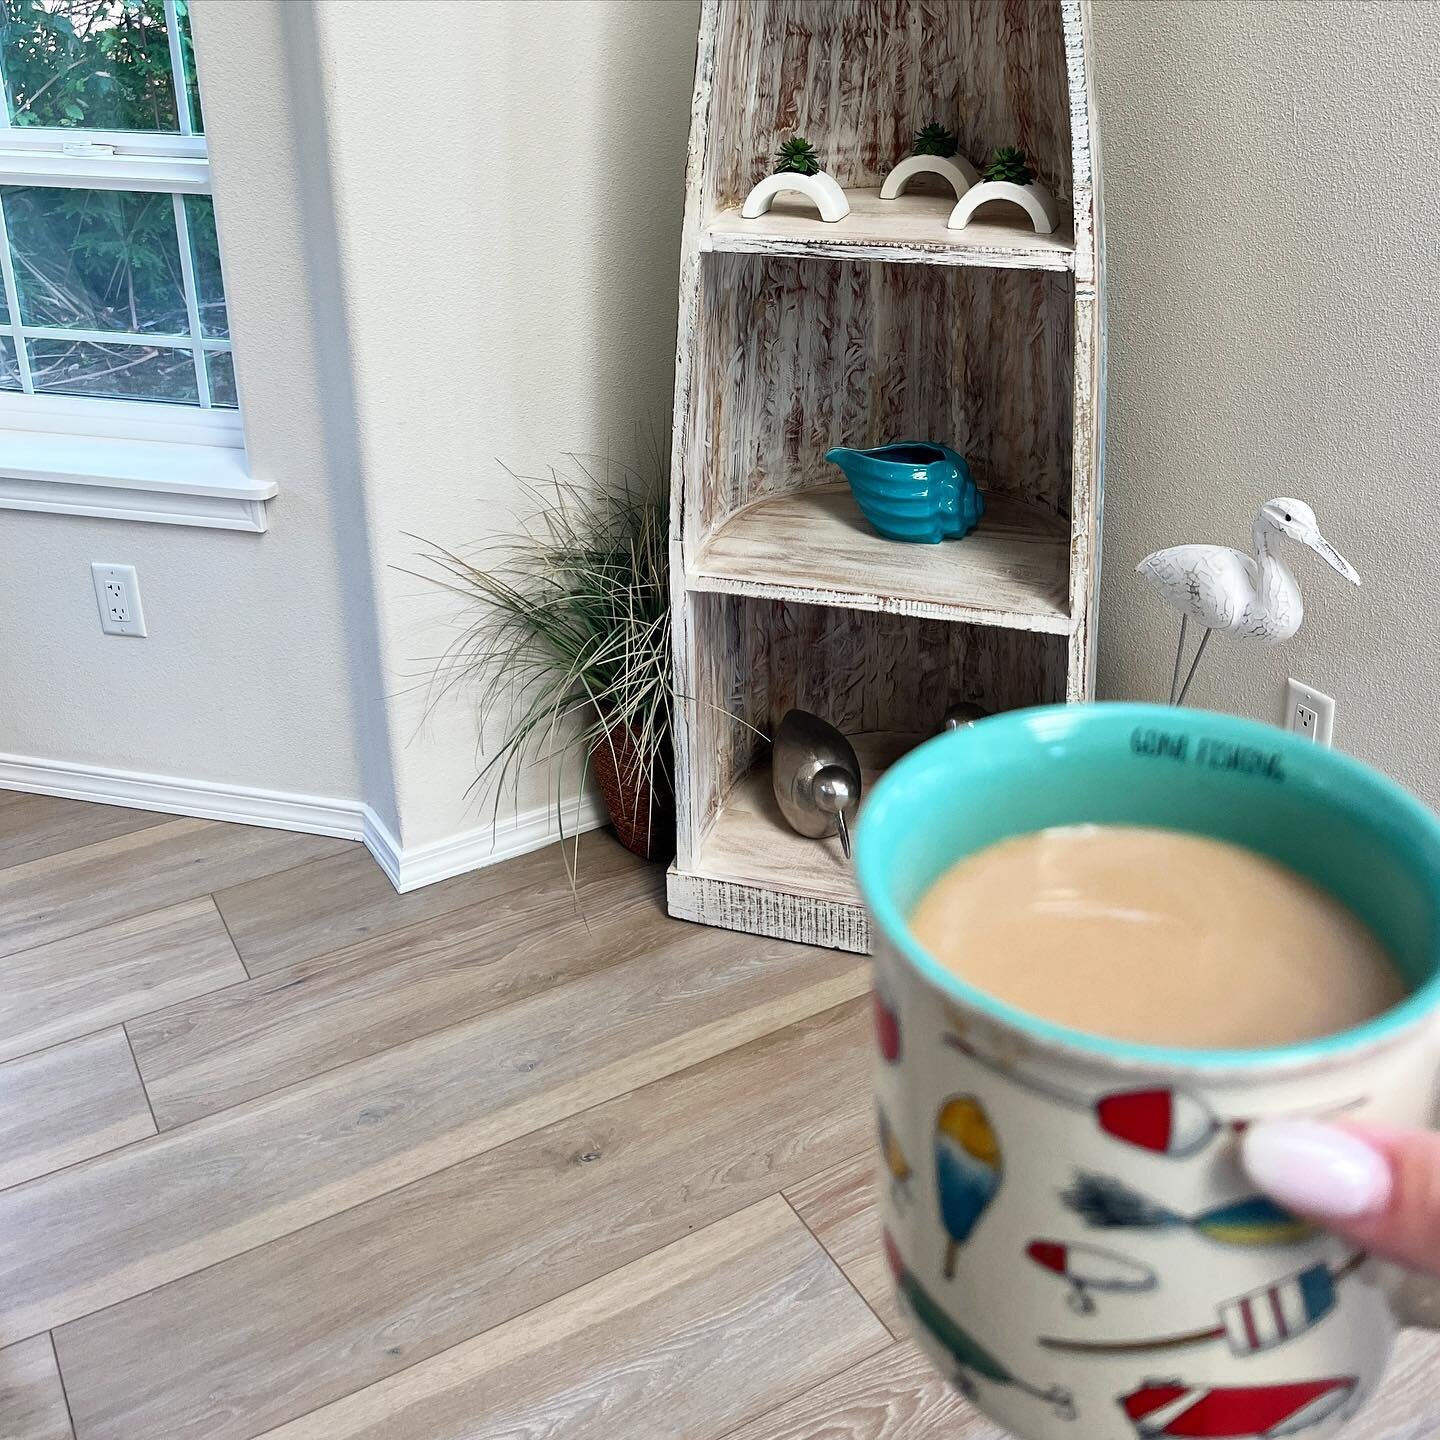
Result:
x=956 y=170
x=820 y=189
x=1034 y=199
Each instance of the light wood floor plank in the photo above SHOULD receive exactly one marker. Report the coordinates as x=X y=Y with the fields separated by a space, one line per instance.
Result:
x=68 y=1103
x=285 y=1026
x=1404 y=1407
x=839 y=1206
x=255 y=1341
x=74 y=1242
x=287 y=918
x=61 y=895
x=895 y=1394
x=33 y=826
x=73 y=986
x=32 y=1400
x=686 y=1342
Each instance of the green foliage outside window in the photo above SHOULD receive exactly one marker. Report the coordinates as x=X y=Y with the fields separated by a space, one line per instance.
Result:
x=92 y=259
x=92 y=64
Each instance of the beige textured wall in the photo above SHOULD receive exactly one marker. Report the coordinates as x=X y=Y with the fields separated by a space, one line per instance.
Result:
x=406 y=315
x=1270 y=183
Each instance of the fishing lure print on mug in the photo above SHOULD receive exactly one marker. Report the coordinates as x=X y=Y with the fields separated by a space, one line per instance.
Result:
x=1065 y=1219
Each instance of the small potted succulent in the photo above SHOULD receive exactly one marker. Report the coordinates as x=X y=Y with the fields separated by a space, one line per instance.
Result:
x=797 y=169
x=935 y=152
x=1008 y=177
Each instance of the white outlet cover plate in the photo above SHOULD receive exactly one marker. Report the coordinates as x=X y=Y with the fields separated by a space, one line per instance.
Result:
x=1297 y=695
x=117 y=593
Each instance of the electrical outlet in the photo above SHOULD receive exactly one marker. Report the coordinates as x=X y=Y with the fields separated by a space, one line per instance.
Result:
x=1309 y=712
x=117 y=592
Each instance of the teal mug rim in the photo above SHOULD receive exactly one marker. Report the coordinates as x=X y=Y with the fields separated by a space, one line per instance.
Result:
x=894 y=791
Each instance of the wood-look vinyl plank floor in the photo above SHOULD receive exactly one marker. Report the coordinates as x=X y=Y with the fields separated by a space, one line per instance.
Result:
x=895 y=1394
x=34 y=826
x=448 y=1164
x=66 y=894
x=295 y=915
x=839 y=1207
x=65 y=1104
x=686 y=1341
x=113 y=973
x=289 y=1024
x=430 y=1265
x=32 y=1399
x=74 y=1242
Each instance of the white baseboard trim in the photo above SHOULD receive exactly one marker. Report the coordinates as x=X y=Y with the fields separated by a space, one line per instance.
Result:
x=206 y=799
x=407 y=869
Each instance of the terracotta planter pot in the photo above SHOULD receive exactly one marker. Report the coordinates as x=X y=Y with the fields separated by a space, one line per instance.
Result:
x=642 y=812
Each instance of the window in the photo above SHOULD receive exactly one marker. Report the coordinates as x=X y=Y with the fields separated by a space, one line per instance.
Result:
x=113 y=321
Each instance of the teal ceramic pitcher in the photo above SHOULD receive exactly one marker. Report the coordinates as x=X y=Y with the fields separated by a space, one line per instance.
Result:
x=915 y=490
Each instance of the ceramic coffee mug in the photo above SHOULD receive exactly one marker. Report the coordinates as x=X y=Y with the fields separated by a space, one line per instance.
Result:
x=1065 y=1216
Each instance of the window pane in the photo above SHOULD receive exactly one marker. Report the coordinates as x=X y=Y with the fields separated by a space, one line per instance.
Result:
x=221 y=365
x=9 y=375
x=187 y=52
x=91 y=64
x=96 y=259
x=127 y=372
x=200 y=221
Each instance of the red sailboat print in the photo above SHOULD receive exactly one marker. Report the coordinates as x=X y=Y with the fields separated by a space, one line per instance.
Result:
x=1164 y=1120
x=1176 y=1411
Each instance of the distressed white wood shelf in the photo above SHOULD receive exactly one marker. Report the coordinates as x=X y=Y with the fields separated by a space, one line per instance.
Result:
x=814 y=547
x=908 y=230
x=751 y=849
x=796 y=336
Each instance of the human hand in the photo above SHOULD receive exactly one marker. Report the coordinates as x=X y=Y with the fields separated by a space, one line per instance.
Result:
x=1377 y=1186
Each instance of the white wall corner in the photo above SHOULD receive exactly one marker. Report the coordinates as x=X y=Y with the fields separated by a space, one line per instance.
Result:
x=419 y=865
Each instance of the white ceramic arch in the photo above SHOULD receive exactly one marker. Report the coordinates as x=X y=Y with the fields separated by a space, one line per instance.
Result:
x=955 y=169
x=1034 y=199
x=819 y=189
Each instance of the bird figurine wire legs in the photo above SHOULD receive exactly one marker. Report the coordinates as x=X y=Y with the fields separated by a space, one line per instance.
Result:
x=1223 y=589
x=1177 y=690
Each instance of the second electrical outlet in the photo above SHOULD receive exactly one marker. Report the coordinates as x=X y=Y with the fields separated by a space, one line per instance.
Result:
x=1309 y=712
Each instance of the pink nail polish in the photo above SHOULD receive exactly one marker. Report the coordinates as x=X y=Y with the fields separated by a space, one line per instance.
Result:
x=1318 y=1170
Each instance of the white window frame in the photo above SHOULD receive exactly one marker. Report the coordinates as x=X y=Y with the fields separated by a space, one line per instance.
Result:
x=122 y=459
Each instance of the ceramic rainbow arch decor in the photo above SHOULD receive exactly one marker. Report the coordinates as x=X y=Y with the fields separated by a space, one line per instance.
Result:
x=956 y=170
x=1034 y=199
x=820 y=189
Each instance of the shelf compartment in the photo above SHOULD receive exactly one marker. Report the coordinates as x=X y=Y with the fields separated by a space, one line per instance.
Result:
x=907 y=230
x=814 y=547
x=752 y=864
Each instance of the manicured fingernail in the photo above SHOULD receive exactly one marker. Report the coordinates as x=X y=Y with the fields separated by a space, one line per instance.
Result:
x=1317 y=1169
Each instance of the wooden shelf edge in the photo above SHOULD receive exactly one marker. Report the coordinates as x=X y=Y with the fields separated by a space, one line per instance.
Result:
x=699 y=581
x=909 y=230
x=767 y=910
x=877 y=252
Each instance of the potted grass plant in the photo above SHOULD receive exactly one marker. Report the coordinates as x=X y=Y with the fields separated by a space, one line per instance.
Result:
x=567 y=647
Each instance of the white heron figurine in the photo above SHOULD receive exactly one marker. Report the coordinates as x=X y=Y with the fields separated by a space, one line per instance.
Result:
x=1224 y=589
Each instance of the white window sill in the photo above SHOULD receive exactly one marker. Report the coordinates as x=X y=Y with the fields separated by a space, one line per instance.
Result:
x=166 y=482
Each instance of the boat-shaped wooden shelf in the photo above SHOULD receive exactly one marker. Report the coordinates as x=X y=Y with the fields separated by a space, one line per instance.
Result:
x=797 y=335
x=908 y=230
